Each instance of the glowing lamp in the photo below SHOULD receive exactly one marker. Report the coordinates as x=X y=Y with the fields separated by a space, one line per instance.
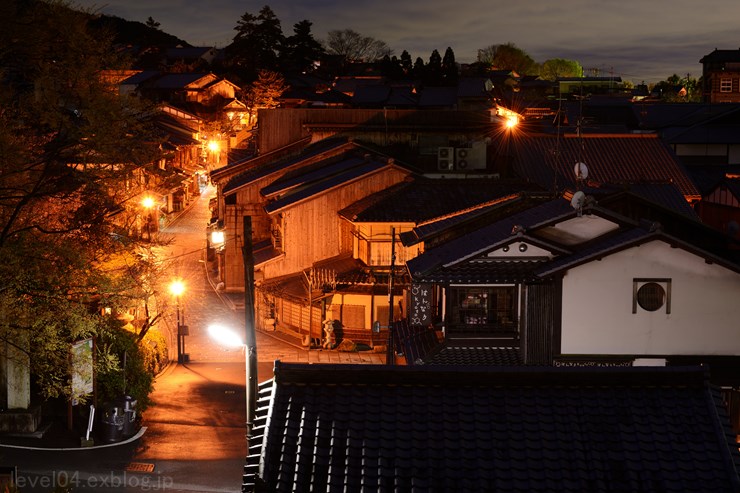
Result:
x=177 y=288
x=217 y=237
x=225 y=336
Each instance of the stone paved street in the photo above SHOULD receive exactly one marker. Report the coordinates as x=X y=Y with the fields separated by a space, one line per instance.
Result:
x=195 y=436
x=202 y=306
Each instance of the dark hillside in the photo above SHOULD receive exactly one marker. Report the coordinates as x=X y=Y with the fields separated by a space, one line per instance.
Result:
x=133 y=33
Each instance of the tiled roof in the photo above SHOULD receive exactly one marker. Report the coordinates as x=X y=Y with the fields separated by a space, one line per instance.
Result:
x=474 y=87
x=488 y=236
x=703 y=134
x=721 y=56
x=526 y=429
x=301 y=177
x=177 y=81
x=672 y=118
x=349 y=170
x=262 y=166
x=467 y=219
x=423 y=199
x=352 y=275
x=438 y=96
x=498 y=271
x=605 y=245
x=475 y=356
x=264 y=251
x=665 y=195
x=462 y=260
x=140 y=77
x=707 y=178
x=611 y=159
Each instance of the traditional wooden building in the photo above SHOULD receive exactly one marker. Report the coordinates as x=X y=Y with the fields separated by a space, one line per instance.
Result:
x=569 y=280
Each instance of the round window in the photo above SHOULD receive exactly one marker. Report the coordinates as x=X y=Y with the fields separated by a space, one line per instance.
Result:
x=651 y=296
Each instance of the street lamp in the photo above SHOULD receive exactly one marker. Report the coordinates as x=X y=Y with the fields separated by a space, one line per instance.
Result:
x=215 y=147
x=148 y=204
x=225 y=336
x=177 y=288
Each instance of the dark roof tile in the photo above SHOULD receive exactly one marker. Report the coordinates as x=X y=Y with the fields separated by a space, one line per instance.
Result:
x=613 y=159
x=484 y=430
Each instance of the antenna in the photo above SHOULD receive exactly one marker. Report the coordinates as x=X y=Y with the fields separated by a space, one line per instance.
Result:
x=558 y=117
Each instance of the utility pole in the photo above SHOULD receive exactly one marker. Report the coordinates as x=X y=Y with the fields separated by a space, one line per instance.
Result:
x=250 y=337
x=390 y=358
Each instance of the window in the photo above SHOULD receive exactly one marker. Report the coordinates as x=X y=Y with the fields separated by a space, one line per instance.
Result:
x=485 y=307
x=651 y=295
x=725 y=85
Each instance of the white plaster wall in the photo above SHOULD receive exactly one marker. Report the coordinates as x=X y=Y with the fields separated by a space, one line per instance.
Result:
x=597 y=306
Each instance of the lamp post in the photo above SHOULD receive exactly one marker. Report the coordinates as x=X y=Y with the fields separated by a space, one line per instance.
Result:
x=177 y=287
x=215 y=147
x=148 y=204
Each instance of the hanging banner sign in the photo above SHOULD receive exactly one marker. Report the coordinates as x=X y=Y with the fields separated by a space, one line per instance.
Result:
x=421 y=304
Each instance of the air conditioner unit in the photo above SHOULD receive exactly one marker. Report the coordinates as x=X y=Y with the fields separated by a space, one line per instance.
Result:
x=469 y=158
x=445 y=158
x=462 y=158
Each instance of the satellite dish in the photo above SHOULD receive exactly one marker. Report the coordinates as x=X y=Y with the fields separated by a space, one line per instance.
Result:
x=581 y=171
x=579 y=198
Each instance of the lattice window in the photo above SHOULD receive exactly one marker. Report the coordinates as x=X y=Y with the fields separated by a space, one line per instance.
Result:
x=651 y=295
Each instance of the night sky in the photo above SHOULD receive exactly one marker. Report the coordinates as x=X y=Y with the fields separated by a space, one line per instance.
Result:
x=638 y=40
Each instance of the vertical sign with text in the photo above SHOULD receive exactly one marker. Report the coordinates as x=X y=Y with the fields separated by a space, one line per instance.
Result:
x=421 y=304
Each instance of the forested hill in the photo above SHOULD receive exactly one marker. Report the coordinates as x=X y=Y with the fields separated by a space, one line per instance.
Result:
x=136 y=33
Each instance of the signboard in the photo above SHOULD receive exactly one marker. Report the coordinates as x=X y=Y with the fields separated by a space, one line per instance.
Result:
x=82 y=369
x=420 y=312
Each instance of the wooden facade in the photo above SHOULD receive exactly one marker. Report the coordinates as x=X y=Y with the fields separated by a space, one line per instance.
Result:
x=312 y=229
x=384 y=127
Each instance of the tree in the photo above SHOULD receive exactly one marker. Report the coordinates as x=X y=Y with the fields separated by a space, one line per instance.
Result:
x=391 y=67
x=406 y=64
x=556 y=68
x=507 y=57
x=151 y=23
x=301 y=51
x=256 y=43
x=71 y=151
x=265 y=91
x=676 y=89
x=449 y=67
x=433 y=70
x=419 y=67
x=354 y=47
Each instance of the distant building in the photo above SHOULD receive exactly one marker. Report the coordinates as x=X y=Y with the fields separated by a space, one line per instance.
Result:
x=721 y=76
